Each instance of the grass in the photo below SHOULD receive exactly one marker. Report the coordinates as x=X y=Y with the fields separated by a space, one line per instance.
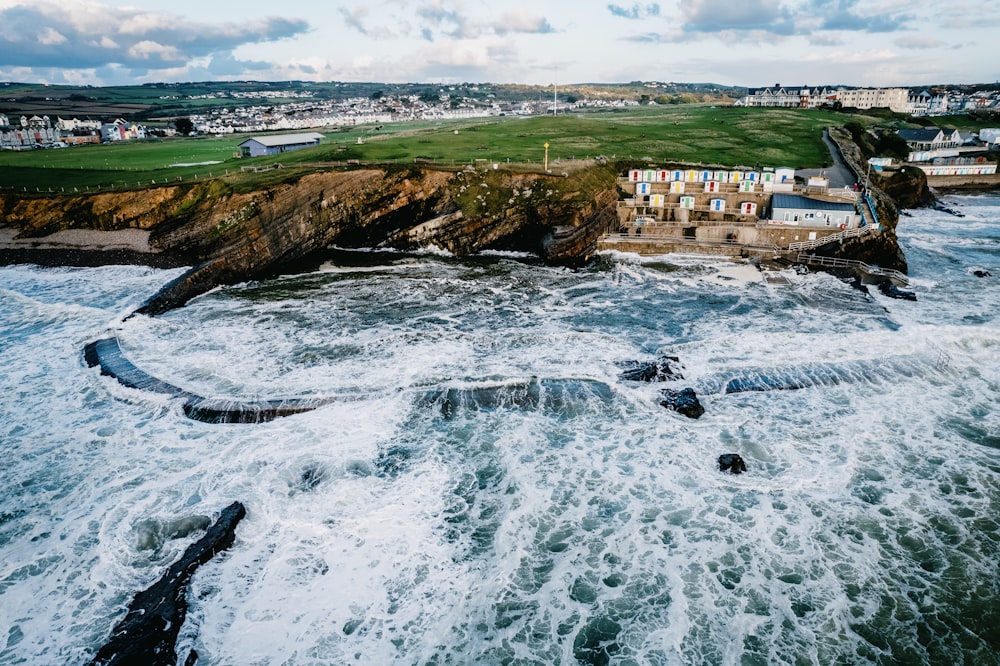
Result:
x=728 y=136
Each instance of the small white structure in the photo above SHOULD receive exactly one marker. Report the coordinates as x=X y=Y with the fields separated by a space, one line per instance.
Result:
x=677 y=187
x=717 y=205
x=657 y=200
x=643 y=188
x=687 y=202
x=747 y=186
x=986 y=135
x=278 y=143
x=748 y=208
x=713 y=186
x=818 y=182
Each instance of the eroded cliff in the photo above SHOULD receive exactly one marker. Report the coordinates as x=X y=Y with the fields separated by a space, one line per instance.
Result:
x=230 y=233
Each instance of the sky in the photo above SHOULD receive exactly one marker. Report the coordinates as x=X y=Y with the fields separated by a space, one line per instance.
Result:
x=749 y=43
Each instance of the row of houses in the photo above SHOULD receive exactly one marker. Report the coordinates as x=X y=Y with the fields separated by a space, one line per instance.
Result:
x=940 y=152
x=769 y=198
x=901 y=100
x=805 y=97
x=40 y=132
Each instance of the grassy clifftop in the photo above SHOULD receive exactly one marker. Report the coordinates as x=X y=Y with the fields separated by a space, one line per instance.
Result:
x=726 y=136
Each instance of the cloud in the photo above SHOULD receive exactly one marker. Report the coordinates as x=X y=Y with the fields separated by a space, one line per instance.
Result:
x=521 y=20
x=74 y=35
x=846 y=15
x=636 y=11
x=919 y=42
x=444 y=18
x=353 y=18
x=708 y=16
x=224 y=64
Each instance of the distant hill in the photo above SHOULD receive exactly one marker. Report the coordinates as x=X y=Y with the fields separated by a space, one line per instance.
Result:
x=152 y=101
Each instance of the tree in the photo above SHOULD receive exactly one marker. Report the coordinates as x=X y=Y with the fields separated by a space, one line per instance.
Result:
x=891 y=144
x=184 y=126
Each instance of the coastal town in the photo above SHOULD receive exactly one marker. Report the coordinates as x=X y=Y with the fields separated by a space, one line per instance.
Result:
x=228 y=112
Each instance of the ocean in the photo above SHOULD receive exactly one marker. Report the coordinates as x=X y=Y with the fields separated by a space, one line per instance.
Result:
x=485 y=488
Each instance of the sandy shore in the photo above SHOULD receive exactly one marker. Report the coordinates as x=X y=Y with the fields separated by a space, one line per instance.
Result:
x=133 y=240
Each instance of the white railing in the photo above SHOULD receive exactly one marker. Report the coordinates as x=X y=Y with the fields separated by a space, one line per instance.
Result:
x=836 y=262
x=832 y=238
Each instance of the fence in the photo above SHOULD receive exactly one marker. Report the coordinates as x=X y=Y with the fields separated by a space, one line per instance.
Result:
x=836 y=262
x=832 y=238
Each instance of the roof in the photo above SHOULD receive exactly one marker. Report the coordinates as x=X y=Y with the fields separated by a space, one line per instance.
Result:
x=285 y=139
x=805 y=203
x=923 y=135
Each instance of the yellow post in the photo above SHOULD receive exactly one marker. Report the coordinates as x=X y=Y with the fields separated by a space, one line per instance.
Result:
x=546 y=156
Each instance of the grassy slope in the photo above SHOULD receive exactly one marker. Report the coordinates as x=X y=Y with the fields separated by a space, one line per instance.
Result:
x=727 y=136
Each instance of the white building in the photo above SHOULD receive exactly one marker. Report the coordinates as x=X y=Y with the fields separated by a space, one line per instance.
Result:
x=990 y=135
x=895 y=99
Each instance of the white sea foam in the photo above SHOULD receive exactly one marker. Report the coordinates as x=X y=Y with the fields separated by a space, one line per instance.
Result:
x=392 y=530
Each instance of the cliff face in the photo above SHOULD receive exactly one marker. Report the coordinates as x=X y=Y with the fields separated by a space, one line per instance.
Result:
x=232 y=236
x=880 y=249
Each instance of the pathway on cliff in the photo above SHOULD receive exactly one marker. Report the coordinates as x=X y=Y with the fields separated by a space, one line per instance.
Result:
x=840 y=174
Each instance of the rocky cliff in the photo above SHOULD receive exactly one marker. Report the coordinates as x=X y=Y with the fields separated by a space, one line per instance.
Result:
x=879 y=249
x=230 y=235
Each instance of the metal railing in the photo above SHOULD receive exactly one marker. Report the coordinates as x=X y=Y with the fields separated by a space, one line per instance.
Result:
x=836 y=262
x=832 y=238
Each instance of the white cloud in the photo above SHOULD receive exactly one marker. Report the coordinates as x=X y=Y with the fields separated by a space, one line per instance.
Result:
x=148 y=49
x=522 y=20
x=50 y=37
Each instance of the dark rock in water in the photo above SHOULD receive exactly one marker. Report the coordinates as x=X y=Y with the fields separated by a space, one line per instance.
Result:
x=732 y=463
x=981 y=274
x=944 y=209
x=892 y=291
x=684 y=401
x=148 y=634
x=664 y=369
x=108 y=355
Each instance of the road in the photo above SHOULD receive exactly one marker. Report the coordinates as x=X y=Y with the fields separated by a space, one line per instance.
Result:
x=840 y=174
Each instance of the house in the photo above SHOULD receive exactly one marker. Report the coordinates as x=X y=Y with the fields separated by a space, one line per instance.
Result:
x=780 y=96
x=931 y=138
x=990 y=135
x=874 y=98
x=797 y=210
x=278 y=143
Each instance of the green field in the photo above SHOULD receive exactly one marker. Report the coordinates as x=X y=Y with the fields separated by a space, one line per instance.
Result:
x=728 y=136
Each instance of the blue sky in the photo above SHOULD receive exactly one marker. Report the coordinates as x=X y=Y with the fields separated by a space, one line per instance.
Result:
x=750 y=43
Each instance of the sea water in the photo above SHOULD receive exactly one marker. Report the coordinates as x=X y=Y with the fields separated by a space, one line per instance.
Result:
x=434 y=514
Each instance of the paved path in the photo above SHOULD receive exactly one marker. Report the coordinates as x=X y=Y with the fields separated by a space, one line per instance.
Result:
x=840 y=174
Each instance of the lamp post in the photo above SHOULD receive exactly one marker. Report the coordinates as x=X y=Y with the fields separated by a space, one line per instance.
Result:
x=546 y=157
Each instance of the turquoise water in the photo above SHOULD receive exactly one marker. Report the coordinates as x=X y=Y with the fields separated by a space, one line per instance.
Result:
x=589 y=525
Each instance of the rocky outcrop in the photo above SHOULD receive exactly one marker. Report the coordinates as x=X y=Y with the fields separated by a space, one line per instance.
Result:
x=907 y=187
x=664 y=369
x=148 y=633
x=732 y=463
x=880 y=249
x=231 y=235
x=107 y=354
x=683 y=402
